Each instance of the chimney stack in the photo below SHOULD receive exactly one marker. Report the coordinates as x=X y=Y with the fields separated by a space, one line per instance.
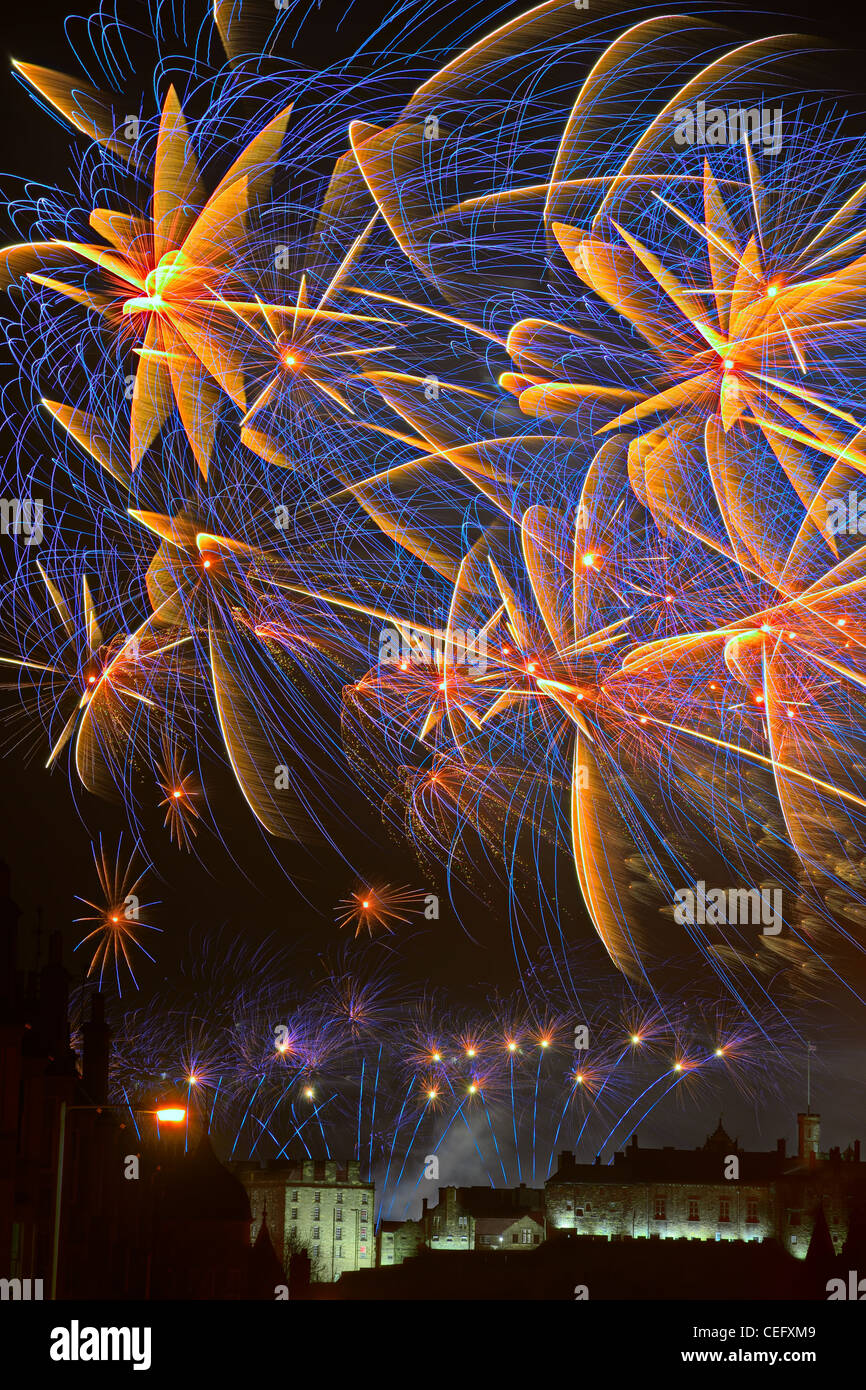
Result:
x=96 y=1038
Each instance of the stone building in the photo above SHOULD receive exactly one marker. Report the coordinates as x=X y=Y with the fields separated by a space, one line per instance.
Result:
x=716 y=1192
x=323 y=1208
x=399 y=1241
x=475 y=1218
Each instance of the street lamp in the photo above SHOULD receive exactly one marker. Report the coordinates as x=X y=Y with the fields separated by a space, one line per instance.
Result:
x=168 y=1114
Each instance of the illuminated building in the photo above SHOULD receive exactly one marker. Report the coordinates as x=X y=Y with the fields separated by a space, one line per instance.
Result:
x=716 y=1192
x=485 y=1218
x=322 y=1208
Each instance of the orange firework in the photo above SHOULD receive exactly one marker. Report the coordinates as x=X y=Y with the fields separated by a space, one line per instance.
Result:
x=180 y=788
x=118 y=917
x=379 y=907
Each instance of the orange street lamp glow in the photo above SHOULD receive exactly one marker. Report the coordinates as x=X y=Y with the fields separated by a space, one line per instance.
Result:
x=171 y=1115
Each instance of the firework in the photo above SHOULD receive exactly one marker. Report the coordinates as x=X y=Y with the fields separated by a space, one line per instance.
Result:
x=378 y=907
x=119 y=916
x=596 y=408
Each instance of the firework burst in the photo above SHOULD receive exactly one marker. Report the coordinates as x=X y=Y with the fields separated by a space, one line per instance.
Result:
x=119 y=916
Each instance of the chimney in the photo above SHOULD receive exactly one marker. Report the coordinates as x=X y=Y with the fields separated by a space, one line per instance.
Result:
x=9 y=914
x=808 y=1136
x=96 y=1039
x=781 y=1145
x=54 y=1006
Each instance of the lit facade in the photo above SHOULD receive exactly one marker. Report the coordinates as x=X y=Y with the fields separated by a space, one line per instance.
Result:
x=324 y=1208
x=716 y=1192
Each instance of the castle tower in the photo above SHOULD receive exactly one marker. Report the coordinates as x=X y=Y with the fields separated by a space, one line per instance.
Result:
x=808 y=1136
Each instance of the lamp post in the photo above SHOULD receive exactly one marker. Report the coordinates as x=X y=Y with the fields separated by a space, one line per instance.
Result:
x=168 y=1115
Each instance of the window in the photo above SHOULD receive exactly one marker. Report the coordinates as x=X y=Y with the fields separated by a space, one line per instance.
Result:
x=724 y=1208
x=316 y=1233
x=694 y=1209
x=338 y=1234
x=436 y=1225
x=463 y=1221
x=364 y=1217
x=294 y=1213
x=339 y=1252
x=536 y=1240
x=315 y=1252
x=294 y=1196
x=364 y=1199
x=339 y=1199
x=752 y=1212
x=317 y=1211
x=660 y=1209
x=526 y=1237
x=515 y=1239
x=588 y=1206
x=317 y=1196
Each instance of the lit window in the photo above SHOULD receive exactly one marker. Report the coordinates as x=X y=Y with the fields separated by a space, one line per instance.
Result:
x=694 y=1210
x=294 y=1213
x=724 y=1208
x=660 y=1209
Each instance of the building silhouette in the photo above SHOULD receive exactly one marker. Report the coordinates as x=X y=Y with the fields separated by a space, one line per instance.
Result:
x=140 y=1216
